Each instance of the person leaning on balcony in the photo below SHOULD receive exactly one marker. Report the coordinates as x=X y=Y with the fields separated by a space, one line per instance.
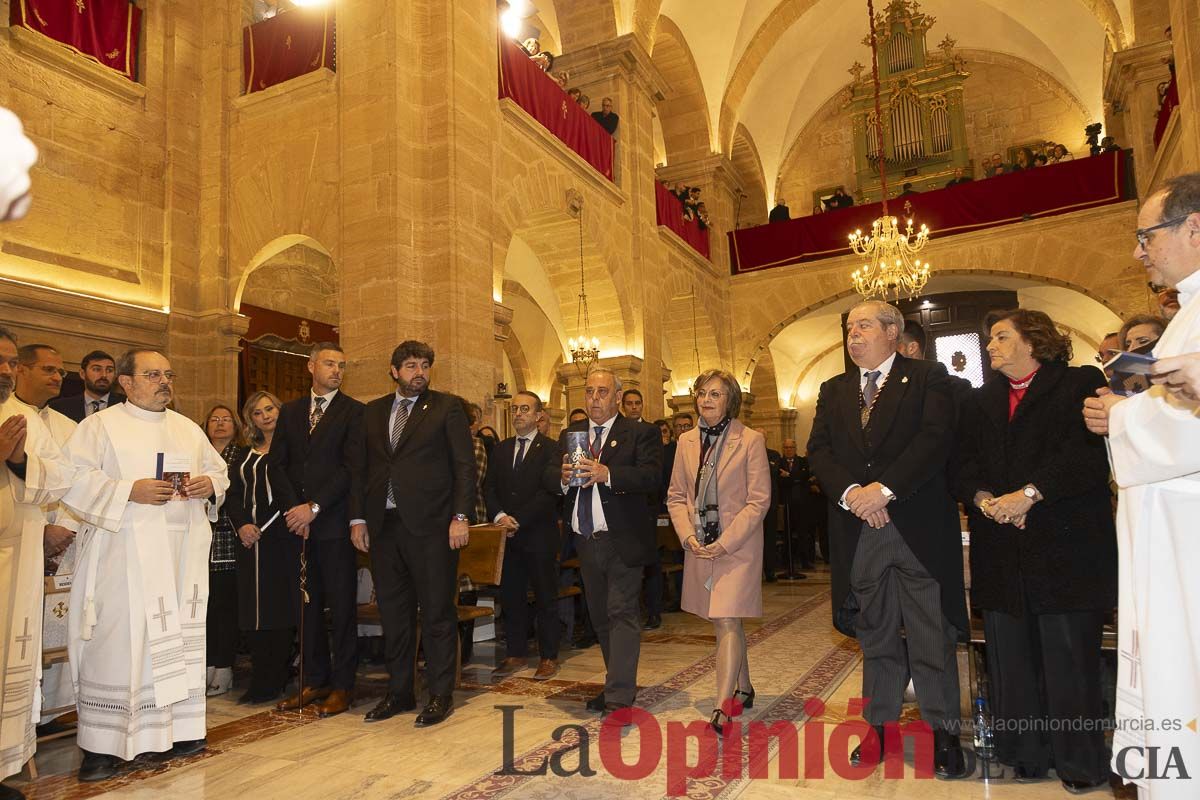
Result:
x=607 y=118
x=720 y=492
x=1043 y=548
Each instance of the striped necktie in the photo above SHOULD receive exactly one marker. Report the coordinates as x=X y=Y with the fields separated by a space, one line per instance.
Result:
x=869 y=392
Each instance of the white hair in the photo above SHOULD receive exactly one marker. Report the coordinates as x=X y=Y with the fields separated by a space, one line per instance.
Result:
x=617 y=386
x=886 y=313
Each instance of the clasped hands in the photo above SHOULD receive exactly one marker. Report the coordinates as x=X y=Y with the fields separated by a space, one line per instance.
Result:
x=590 y=469
x=869 y=504
x=1007 y=509
x=152 y=492
x=12 y=439
x=707 y=552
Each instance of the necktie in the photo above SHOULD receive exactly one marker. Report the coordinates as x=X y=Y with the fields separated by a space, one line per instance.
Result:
x=520 y=454
x=397 y=428
x=584 y=498
x=868 y=395
x=95 y=406
x=314 y=416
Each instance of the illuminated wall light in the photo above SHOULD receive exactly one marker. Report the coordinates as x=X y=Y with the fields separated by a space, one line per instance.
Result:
x=511 y=23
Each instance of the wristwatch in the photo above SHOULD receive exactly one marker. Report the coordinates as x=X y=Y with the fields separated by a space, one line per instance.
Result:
x=460 y=518
x=1030 y=491
x=888 y=493
x=315 y=508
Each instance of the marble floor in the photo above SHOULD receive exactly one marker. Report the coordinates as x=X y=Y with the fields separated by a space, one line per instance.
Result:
x=521 y=738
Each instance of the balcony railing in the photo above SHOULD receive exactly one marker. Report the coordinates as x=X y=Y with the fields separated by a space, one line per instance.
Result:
x=544 y=100
x=1041 y=192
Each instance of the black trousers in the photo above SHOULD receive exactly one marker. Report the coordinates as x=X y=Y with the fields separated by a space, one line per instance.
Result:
x=653 y=574
x=1046 y=698
x=416 y=571
x=893 y=591
x=332 y=584
x=221 y=625
x=771 y=542
x=802 y=529
x=269 y=652
x=521 y=569
x=612 y=590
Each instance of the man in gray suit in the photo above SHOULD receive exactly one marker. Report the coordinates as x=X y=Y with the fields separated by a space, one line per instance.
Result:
x=880 y=442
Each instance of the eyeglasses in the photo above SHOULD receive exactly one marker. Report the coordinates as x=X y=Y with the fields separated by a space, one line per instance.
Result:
x=1143 y=234
x=218 y=420
x=714 y=394
x=49 y=370
x=157 y=375
x=521 y=409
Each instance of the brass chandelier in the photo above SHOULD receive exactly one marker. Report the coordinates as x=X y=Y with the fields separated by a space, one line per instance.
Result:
x=891 y=268
x=586 y=349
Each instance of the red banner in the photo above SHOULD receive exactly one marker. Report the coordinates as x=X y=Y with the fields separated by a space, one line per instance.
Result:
x=670 y=214
x=286 y=46
x=1169 y=101
x=265 y=322
x=537 y=93
x=106 y=31
x=1041 y=192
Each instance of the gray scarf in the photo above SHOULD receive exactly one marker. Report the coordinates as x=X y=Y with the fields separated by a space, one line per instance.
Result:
x=706 y=486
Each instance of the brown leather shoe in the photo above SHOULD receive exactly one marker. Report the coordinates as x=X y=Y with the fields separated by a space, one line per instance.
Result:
x=310 y=694
x=547 y=669
x=508 y=666
x=338 y=701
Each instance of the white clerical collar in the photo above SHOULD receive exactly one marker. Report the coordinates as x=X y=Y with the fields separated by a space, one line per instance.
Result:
x=143 y=414
x=883 y=370
x=1189 y=288
x=327 y=397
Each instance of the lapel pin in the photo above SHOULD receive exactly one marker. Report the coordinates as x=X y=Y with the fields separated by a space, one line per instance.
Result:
x=613 y=443
x=904 y=379
x=427 y=404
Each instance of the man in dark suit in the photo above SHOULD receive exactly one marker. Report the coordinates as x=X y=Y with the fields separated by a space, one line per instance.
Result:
x=613 y=519
x=839 y=199
x=631 y=408
x=99 y=371
x=607 y=118
x=318 y=445
x=780 y=213
x=412 y=503
x=518 y=501
x=771 y=521
x=880 y=443
x=960 y=177
x=793 y=476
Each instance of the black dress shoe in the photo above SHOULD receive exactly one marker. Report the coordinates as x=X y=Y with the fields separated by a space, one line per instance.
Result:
x=611 y=708
x=391 y=705
x=747 y=699
x=1083 y=787
x=585 y=641
x=858 y=758
x=189 y=747
x=1024 y=774
x=256 y=696
x=948 y=760
x=653 y=622
x=596 y=703
x=9 y=793
x=97 y=767
x=436 y=710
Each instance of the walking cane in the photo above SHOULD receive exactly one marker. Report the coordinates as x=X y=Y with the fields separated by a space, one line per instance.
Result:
x=303 y=602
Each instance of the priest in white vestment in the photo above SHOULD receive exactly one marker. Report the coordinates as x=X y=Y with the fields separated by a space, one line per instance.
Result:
x=138 y=601
x=1154 y=443
x=33 y=473
x=39 y=380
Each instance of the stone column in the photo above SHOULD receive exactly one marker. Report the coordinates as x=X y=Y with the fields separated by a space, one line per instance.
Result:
x=1185 y=33
x=683 y=404
x=777 y=426
x=1131 y=95
x=627 y=368
x=502 y=317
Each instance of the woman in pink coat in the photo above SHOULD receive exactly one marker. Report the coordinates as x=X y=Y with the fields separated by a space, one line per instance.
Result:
x=722 y=532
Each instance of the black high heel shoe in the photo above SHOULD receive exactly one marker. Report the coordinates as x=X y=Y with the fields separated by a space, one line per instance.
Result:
x=749 y=701
x=715 y=722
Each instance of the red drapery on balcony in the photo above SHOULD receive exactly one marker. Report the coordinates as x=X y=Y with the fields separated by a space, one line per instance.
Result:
x=287 y=46
x=106 y=31
x=670 y=214
x=1170 y=100
x=545 y=101
x=1041 y=192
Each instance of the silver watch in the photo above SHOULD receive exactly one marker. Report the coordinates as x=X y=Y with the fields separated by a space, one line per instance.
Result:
x=1030 y=491
x=315 y=508
x=460 y=518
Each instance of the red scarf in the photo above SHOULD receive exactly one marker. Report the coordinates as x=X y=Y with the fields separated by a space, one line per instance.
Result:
x=1016 y=395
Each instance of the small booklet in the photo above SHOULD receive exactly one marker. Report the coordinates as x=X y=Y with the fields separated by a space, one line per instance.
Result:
x=176 y=469
x=1131 y=370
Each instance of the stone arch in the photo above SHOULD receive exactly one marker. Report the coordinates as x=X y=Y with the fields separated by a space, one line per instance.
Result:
x=789 y=12
x=271 y=253
x=847 y=297
x=584 y=23
x=683 y=114
x=645 y=21
x=537 y=208
x=748 y=167
x=534 y=346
